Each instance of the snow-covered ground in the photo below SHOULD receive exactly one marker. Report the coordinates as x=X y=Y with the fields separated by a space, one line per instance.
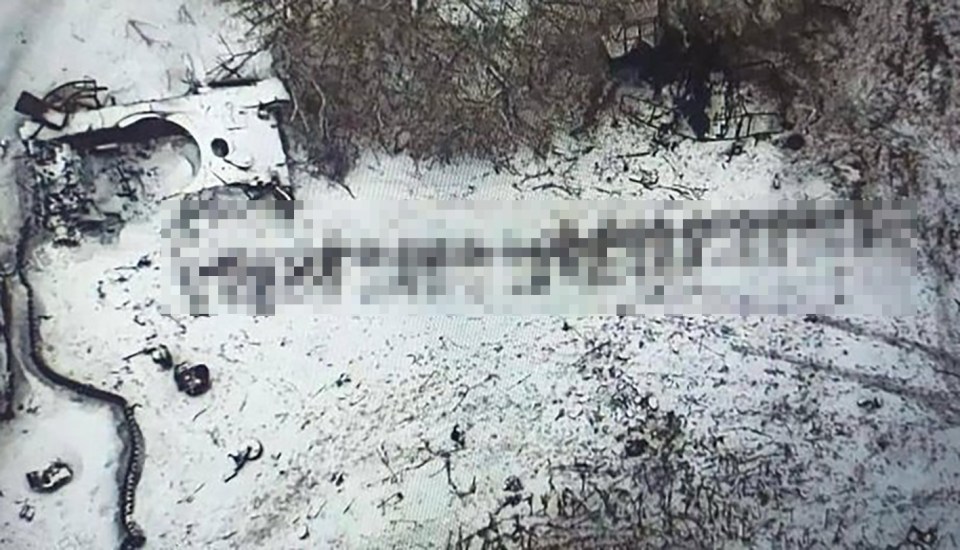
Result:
x=837 y=432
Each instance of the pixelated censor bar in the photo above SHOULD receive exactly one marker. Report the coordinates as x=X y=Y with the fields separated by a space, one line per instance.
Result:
x=541 y=257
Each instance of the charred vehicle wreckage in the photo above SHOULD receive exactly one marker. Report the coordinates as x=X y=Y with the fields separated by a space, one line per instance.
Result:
x=233 y=124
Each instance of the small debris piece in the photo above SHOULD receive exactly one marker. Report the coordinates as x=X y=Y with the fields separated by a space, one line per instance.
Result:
x=40 y=111
x=342 y=380
x=649 y=402
x=635 y=447
x=458 y=436
x=513 y=484
x=27 y=512
x=736 y=149
x=304 y=533
x=794 y=142
x=870 y=405
x=56 y=475
x=922 y=538
x=240 y=459
x=192 y=380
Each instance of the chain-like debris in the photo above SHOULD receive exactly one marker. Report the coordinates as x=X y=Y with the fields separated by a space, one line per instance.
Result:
x=133 y=535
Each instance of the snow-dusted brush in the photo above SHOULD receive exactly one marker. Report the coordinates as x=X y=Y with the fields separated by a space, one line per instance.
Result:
x=680 y=77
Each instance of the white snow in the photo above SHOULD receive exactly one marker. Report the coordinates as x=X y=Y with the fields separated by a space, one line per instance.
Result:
x=331 y=395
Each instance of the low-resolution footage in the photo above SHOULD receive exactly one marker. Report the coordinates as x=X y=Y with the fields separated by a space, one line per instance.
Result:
x=480 y=274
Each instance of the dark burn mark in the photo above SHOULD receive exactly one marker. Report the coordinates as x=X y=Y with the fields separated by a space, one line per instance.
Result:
x=162 y=357
x=683 y=64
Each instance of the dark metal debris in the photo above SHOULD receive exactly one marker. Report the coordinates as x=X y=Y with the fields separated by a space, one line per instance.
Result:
x=513 y=484
x=192 y=380
x=870 y=405
x=54 y=476
x=40 y=111
x=343 y=380
x=458 y=436
x=161 y=356
x=240 y=459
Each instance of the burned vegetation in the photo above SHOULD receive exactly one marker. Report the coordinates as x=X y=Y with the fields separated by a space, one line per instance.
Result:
x=448 y=79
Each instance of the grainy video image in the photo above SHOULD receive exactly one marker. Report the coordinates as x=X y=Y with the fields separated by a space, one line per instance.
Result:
x=479 y=274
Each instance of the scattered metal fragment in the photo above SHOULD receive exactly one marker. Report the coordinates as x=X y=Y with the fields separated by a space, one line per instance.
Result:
x=27 y=512
x=40 y=111
x=649 y=402
x=193 y=380
x=513 y=485
x=142 y=263
x=161 y=356
x=240 y=459
x=53 y=477
x=458 y=436
x=871 y=404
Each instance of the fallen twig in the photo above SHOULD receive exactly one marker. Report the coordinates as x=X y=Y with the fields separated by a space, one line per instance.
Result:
x=137 y=28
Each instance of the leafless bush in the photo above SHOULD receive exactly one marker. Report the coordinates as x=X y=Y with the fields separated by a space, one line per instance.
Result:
x=443 y=79
x=439 y=79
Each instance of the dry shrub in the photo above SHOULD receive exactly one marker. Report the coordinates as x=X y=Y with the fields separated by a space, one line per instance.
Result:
x=443 y=79
x=440 y=80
